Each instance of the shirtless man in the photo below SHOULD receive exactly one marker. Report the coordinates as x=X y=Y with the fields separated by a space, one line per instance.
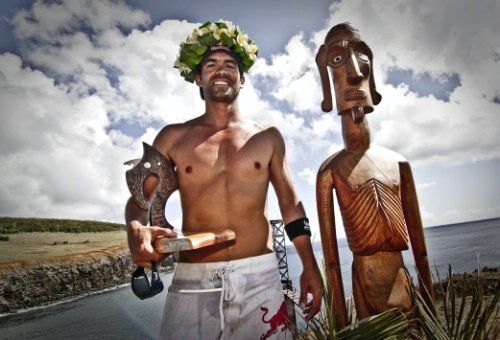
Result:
x=224 y=165
x=374 y=188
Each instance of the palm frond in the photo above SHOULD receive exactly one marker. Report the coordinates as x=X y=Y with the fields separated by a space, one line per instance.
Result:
x=463 y=317
x=391 y=324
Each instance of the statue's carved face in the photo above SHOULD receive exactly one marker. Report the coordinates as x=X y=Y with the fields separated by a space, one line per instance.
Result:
x=349 y=64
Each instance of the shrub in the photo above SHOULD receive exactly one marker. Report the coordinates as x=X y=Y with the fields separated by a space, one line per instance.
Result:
x=14 y=225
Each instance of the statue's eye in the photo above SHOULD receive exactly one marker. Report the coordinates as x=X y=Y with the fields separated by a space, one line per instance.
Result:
x=362 y=57
x=337 y=59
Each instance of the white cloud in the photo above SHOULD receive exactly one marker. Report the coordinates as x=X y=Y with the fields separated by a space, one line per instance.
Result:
x=57 y=158
x=427 y=130
x=445 y=38
x=50 y=22
x=63 y=145
x=425 y=185
x=459 y=215
x=308 y=175
x=95 y=64
x=293 y=75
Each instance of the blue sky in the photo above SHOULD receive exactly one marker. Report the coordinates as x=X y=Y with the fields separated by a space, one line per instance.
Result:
x=84 y=82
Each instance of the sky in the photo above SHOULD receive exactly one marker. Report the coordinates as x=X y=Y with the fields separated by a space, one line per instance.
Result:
x=83 y=83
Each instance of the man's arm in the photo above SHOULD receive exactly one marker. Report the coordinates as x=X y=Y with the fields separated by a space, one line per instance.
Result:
x=291 y=210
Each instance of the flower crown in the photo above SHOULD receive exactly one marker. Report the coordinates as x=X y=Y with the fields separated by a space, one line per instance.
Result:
x=191 y=51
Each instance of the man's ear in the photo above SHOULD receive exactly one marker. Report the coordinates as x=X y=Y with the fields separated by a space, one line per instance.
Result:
x=197 y=79
x=242 y=81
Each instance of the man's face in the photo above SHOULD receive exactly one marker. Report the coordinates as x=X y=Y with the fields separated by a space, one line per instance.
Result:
x=219 y=77
x=350 y=68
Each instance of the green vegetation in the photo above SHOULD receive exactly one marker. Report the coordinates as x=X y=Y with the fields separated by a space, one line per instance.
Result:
x=391 y=324
x=464 y=317
x=14 y=225
x=461 y=316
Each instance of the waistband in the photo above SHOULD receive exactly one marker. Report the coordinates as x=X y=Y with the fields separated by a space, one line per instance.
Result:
x=209 y=275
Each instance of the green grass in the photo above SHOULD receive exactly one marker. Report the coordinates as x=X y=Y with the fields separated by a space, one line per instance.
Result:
x=14 y=225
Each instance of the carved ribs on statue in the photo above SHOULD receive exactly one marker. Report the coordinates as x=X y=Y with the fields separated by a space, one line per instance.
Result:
x=376 y=219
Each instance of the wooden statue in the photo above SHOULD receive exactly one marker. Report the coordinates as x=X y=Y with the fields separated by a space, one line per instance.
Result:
x=374 y=188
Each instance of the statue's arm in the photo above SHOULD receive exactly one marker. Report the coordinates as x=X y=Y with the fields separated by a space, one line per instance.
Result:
x=324 y=200
x=415 y=229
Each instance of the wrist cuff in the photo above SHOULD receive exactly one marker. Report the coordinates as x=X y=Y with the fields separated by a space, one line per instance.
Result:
x=298 y=227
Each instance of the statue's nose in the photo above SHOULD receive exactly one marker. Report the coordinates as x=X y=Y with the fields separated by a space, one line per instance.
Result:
x=354 y=75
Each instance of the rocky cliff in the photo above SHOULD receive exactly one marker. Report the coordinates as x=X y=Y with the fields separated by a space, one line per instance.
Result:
x=25 y=285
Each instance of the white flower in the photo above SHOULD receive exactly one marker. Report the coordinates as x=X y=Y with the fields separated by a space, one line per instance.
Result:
x=193 y=37
x=231 y=31
x=251 y=48
x=203 y=31
x=185 y=69
x=242 y=39
x=228 y=23
x=225 y=31
x=182 y=66
x=214 y=29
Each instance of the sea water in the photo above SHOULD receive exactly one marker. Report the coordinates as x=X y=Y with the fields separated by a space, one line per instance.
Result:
x=464 y=246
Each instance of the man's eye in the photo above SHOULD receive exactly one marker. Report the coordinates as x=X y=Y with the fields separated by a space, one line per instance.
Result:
x=362 y=57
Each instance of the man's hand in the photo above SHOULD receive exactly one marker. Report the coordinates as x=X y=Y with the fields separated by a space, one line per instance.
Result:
x=310 y=283
x=140 y=242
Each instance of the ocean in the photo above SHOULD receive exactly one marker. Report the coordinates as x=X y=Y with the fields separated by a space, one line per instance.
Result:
x=465 y=246
x=118 y=314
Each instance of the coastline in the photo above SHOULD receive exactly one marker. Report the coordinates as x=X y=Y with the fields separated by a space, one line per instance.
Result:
x=37 y=284
x=27 y=285
x=489 y=279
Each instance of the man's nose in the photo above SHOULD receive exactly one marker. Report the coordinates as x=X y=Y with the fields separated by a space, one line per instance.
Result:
x=354 y=75
x=221 y=70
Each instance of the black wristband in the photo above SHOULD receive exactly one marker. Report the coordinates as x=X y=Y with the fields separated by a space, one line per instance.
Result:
x=298 y=227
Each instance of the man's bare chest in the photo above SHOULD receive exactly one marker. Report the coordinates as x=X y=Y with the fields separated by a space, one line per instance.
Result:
x=226 y=155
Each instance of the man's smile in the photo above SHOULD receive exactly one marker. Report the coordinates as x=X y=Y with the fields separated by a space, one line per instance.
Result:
x=220 y=82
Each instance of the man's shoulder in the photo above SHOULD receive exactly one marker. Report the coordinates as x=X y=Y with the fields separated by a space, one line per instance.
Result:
x=265 y=130
x=174 y=130
x=171 y=134
x=268 y=134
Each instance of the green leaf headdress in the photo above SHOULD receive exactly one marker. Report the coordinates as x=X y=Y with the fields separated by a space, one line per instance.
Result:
x=192 y=51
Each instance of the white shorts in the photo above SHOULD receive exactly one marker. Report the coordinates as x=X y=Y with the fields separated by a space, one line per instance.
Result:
x=241 y=299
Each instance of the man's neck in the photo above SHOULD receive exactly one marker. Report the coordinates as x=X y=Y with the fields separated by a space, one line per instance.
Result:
x=221 y=114
x=356 y=135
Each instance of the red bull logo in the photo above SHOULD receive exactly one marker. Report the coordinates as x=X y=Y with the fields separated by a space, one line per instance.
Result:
x=277 y=321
